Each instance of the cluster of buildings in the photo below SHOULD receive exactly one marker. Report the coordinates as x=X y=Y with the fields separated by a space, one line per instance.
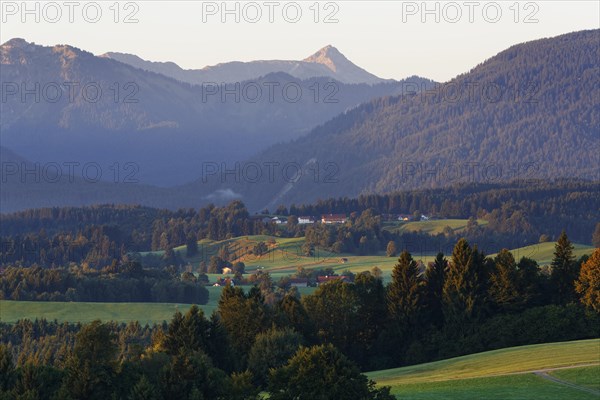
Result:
x=303 y=220
x=405 y=217
x=325 y=219
x=331 y=219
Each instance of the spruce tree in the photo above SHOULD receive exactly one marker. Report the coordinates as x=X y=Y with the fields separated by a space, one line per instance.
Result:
x=505 y=283
x=91 y=367
x=404 y=297
x=564 y=270
x=434 y=286
x=7 y=369
x=144 y=390
x=191 y=245
x=464 y=293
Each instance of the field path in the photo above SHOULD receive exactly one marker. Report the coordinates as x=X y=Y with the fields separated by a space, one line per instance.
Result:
x=543 y=373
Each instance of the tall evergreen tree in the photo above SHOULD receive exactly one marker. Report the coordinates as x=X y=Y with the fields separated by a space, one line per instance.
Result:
x=464 y=291
x=334 y=309
x=505 y=285
x=190 y=332
x=405 y=292
x=144 y=390
x=434 y=286
x=91 y=368
x=531 y=280
x=191 y=245
x=243 y=317
x=564 y=270
x=373 y=312
x=7 y=370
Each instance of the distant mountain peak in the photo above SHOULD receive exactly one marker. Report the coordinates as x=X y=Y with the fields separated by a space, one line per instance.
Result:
x=327 y=62
x=12 y=50
x=16 y=42
x=329 y=56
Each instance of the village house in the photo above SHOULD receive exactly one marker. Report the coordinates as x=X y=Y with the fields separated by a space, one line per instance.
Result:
x=333 y=219
x=306 y=220
x=299 y=282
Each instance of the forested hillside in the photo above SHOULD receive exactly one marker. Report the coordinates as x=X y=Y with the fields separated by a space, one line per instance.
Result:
x=519 y=115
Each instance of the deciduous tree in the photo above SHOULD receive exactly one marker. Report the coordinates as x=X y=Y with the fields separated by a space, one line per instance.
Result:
x=588 y=283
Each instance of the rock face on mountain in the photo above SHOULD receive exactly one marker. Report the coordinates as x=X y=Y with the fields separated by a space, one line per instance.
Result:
x=327 y=62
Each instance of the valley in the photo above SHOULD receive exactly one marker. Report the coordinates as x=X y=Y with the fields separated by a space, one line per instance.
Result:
x=216 y=211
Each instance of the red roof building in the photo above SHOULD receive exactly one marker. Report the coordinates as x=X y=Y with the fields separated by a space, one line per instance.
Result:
x=333 y=219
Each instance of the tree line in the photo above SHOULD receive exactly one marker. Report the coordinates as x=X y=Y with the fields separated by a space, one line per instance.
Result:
x=516 y=214
x=523 y=209
x=127 y=282
x=298 y=347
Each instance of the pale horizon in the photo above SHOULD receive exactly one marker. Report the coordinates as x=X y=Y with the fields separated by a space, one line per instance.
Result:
x=371 y=35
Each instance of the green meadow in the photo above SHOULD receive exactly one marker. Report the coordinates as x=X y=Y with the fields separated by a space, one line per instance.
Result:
x=505 y=374
x=283 y=258
x=432 y=227
x=145 y=313
x=544 y=252
x=285 y=255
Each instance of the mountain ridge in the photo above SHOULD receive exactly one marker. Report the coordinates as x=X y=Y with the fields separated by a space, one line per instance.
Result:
x=542 y=123
x=139 y=111
x=326 y=62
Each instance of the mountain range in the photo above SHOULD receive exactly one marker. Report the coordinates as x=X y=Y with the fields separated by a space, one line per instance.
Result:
x=88 y=108
x=530 y=112
x=328 y=62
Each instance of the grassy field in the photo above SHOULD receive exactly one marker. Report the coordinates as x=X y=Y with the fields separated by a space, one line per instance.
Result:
x=510 y=387
x=585 y=376
x=505 y=374
x=283 y=259
x=145 y=313
x=433 y=227
x=544 y=252
x=502 y=374
x=285 y=255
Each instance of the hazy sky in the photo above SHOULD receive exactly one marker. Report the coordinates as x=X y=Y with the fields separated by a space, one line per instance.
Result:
x=392 y=39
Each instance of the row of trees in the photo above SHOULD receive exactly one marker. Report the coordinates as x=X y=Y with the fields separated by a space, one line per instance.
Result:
x=517 y=214
x=519 y=208
x=127 y=282
x=183 y=360
x=295 y=347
